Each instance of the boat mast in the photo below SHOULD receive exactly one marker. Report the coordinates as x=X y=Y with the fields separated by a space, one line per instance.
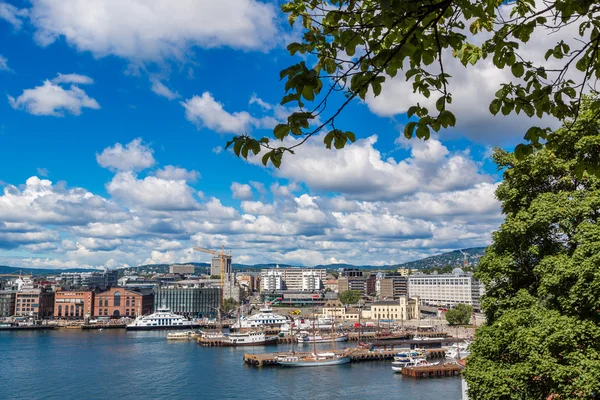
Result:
x=333 y=333
x=314 y=337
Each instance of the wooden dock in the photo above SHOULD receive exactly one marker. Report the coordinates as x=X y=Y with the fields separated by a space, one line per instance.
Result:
x=432 y=371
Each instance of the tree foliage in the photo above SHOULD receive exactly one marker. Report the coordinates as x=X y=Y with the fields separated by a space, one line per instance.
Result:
x=350 y=297
x=229 y=305
x=353 y=47
x=542 y=274
x=461 y=315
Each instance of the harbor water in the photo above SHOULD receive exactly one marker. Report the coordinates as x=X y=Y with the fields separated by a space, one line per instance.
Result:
x=109 y=364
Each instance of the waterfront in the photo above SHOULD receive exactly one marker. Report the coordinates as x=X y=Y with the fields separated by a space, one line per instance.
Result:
x=72 y=364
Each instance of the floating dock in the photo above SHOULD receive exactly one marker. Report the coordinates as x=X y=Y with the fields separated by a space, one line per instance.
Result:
x=432 y=371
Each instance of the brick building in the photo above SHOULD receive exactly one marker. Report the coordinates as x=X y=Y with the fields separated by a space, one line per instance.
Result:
x=73 y=304
x=120 y=302
x=37 y=302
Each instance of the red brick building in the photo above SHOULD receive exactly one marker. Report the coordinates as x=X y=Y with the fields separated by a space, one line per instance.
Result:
x=37 y=302
x=73 y=304
x=119 y=302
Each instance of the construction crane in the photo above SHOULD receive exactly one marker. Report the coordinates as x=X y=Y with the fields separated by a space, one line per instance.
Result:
x=223 y=257
x=466 y=260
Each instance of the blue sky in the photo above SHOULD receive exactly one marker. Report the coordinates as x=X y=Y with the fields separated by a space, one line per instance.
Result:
x=113 y=124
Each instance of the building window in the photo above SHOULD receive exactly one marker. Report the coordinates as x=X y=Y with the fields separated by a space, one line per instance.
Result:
x=117 y=299
x=127 y=302
x=105 y=311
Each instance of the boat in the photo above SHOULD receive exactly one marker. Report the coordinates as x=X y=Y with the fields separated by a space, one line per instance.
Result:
x=398 y=364
x=250 y=339
x=163 y=318
x=265 y=318
x=313 y=360
x=301 y=324
x=182 y=335
x=306 y=338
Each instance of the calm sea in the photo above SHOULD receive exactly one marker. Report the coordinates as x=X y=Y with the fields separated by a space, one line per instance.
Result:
x=73 y=364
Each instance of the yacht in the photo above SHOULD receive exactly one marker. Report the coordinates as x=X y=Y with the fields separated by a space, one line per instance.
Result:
x=163 y=318
x=250 y=339
x=313 y=360
x=307 y=338
x=266 y=317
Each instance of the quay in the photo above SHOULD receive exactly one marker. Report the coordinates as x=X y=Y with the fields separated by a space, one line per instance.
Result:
x=103 y=326
x=27 y=328
x=356 y=355
x=432 y=371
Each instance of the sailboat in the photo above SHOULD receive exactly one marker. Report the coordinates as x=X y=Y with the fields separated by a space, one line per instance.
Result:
x=315 y=359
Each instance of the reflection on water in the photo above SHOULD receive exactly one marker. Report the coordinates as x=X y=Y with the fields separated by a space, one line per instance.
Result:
x=71 y=364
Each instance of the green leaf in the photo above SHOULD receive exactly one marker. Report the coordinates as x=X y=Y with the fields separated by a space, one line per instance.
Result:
x=281 y=131
x=409 y=128
x=517 y=69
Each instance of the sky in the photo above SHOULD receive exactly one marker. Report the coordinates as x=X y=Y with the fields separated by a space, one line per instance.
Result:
x=114 y=115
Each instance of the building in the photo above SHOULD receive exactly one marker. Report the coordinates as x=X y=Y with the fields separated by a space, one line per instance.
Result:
x=248 y=282
x=73 y=304
x=35 y=302
x=90 y=280
x=446 y=289
x=276 y=279
x=7 y=302
x=332 y=284
x=335 y=309
x=364 y=284
x=182 y=269
x=189 y=301
x=397 y=310
x=215 y=266
x=119 y=302
x=391 y=287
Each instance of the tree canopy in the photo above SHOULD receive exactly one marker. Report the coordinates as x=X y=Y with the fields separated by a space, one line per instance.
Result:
x=542 y=275
x=461 y=315
x=350 y=297
x=354 y=47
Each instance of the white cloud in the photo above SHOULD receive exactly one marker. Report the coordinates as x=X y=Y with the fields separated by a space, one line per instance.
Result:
x=4 y=64
x=257 y=100
x=53 y=99
x=160 y=89
x=217 y=150
x=42 y=172
x=241 y=191
x=205 y=111
x=12 y=14
x=73 y=78
x=153 y=30
x=152 y=192
x=171 y=172
x=134 y=156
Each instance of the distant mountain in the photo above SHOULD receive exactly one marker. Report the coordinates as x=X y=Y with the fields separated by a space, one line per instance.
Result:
x=453 y=258
x=4 y=269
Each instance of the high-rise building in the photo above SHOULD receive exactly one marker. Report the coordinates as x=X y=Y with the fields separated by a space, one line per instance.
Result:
x=311 y=280
x=189 y=301
x=7 y=302
x=215 y=266
x=446 y=289
x=292 y=279
x=271 y=280
x=183 y=269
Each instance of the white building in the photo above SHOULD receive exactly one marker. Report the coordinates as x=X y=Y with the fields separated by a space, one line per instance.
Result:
x=300 y=279
x=311 y=280
x=446 y=289
x=271 y=280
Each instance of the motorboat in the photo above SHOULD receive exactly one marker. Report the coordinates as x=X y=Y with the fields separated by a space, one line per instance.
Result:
x=399 y=364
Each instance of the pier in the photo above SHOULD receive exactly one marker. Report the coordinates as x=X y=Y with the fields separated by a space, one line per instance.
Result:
x=432 y=371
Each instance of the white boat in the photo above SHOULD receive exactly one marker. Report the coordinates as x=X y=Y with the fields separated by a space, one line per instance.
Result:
x=300 y=324
x=313 y=360
x=266 y=317
x=163 y=318
x=250 y=339
x=397 y=365
x=182 y=335
x=306 y=338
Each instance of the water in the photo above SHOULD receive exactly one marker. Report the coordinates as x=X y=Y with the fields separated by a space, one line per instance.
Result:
x=73 y=364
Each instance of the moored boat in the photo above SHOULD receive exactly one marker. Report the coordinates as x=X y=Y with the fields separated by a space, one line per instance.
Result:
x=399 y=363
x=187 y=335
x=307 y=338
x=313 y=360
x=250 y=339
x=163 y=318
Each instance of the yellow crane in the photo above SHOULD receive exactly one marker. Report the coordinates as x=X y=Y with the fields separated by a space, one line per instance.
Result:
x=223 y=257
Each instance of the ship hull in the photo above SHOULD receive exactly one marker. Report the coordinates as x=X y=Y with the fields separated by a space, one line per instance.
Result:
x=321 y=363
x=160 y=328
x=260 y=343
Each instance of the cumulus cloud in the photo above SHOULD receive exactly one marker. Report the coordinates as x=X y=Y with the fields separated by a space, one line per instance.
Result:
x=12 y=14
x=134 y=156
x=205 y=111
x=171 y=172
x=158 y=30
x=160 y=89
x=241 y=191
x=53 y=99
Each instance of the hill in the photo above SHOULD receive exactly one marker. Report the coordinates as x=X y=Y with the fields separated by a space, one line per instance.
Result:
x=453 y=258
x=5 y=269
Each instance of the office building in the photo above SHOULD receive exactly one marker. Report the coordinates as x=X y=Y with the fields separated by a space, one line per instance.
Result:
x=391 y=286
x=182 y=269
x=364 y=284
x=271 y=280
x=446 y=290
x=248 y=282
x=215 y=266
x=89 y=280
x=7 y=302
x=195 y=302
x=306 y=279
x=73 y=304
x=119 y=302
x=311 y=280
x=34 y=302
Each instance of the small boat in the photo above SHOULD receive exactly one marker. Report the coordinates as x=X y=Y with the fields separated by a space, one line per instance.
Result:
x=314 y=360
x=399 y=363
x=182 y=335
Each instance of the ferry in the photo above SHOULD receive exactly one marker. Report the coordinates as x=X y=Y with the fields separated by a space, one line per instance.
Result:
x=163 y=318
x=266 y=317
x=250 y=339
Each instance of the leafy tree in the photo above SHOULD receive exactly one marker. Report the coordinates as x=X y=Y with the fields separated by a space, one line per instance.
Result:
x=353 y=47
x=542 y=274
x=461 y=315
x=350 y=297
x=229 y=305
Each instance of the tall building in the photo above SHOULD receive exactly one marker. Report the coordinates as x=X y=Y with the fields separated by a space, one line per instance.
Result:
x=183 y=269
x=119 y=302
x=36 y=302
x=215 y=266
x=446 y=289
x=189 y=301
x=7 y=302
x=73 y=304
x=306 y=279
x=391 y=287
